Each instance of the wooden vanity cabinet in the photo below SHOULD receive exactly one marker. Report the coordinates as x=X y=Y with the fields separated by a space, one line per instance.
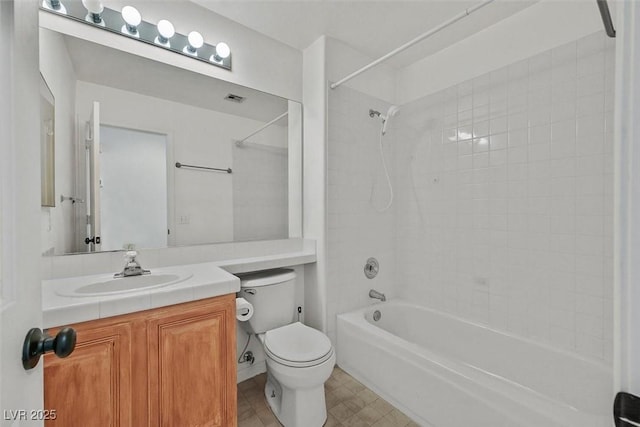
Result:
x=171 y=366
x=94 y=385
x=192 y=365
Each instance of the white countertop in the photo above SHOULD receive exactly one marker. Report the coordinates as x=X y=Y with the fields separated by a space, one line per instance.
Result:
x=207 y=280
x=210 y=279
x=265 y=262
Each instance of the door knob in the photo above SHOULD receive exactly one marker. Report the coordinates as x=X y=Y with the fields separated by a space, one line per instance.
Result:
x=626 y=410
x=94 y=239
x=37 y=343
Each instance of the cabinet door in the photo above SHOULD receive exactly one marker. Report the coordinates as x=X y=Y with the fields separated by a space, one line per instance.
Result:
x=192 y=370
x=91 y=387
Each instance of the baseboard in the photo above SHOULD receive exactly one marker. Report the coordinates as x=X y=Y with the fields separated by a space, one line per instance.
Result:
x=250 y=371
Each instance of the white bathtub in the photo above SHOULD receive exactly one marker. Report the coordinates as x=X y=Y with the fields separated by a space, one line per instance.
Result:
x=446 y=372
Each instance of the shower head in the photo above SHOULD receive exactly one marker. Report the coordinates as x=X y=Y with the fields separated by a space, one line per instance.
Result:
x=391 y=112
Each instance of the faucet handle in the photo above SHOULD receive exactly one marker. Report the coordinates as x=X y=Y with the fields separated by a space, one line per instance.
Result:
x=130 y=256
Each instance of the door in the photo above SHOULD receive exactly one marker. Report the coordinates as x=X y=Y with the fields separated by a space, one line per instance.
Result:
x=627 y=213
x=20 y=294
x=126 y=182
x=93 y=147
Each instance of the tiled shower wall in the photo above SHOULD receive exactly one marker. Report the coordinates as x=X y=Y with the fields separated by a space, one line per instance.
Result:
x=504 y=213
x=358 y=228
x=260 y=192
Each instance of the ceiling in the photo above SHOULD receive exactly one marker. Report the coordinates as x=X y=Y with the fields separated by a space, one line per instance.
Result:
x=372 y=27
x=105 y=66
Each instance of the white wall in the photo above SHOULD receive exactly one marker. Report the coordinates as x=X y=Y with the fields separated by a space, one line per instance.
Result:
x=358 y=225
x=198 y=137
x=343 y=60
x=544 y=25
x=314 y=165
x=295 y=168
x=505 y=198
x=57 y=70
x=259 y=62
x=260 y=192
x=329 y=60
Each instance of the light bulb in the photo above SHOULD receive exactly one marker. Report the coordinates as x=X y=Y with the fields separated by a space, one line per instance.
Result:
x=132 y=19
x=95 y=9
x=165 y=32
x=195 y=42
x=165 y=29
x=93 y=6
x=55 y=5
x=222 y=52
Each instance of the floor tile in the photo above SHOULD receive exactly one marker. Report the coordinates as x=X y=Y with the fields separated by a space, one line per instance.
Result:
x=382 y=406
x=370 y=415
x=332 y=422
x=252 y=421
x=342 y=412
x=343 y=393
x=349 y=404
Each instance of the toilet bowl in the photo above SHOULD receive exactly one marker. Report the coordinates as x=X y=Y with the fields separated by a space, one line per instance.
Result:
x=299 y=361
x=299 y=358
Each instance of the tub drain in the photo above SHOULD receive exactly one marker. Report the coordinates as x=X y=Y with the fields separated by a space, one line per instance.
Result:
x=377 y=315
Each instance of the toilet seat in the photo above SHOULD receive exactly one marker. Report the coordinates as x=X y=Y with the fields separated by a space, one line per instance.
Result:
x=297 y=345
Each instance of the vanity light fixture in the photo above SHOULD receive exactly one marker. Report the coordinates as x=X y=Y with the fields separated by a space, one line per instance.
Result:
x=222 y=52
x=132 y=19
x=94 y=9
x=195 y=42
x=160 y=34
x=54 y=5
x=165 y=32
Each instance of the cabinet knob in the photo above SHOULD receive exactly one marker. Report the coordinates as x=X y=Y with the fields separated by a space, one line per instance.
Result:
x=37 y=343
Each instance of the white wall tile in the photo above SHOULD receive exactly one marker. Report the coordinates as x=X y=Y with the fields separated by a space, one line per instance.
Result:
x=531 y=218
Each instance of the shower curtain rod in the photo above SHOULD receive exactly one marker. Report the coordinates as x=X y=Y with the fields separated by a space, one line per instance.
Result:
x=266 y=125
x=407 y=45
x=606 y=18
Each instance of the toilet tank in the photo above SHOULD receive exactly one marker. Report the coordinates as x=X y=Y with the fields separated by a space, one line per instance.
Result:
x=272 y=294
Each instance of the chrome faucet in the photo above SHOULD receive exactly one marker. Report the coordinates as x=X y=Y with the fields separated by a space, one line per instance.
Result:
x=377 y=295
x=132 y=267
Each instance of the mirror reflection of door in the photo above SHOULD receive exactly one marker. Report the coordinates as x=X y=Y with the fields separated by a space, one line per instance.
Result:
x=47 y=145
x=133 y=189
x=93 y=162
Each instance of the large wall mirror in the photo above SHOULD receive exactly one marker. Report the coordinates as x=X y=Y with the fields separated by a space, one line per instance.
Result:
x=149 y=155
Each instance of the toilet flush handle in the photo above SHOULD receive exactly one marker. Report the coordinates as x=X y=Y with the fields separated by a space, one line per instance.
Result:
x=250 y=291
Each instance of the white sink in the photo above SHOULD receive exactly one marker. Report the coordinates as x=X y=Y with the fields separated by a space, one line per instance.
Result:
x=112 y=286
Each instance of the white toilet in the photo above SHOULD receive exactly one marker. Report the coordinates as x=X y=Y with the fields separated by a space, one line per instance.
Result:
x=299 y=358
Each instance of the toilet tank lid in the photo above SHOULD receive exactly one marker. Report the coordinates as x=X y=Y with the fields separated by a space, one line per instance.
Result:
x=266 y=277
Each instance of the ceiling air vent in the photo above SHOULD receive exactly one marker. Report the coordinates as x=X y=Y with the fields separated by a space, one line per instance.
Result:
x=235 y=98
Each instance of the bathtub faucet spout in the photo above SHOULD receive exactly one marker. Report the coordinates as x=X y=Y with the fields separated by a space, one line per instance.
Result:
x=377 y=295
